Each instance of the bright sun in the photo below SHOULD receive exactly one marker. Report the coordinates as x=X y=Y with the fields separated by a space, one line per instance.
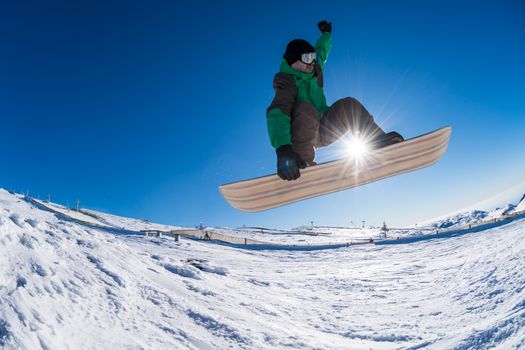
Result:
x=356 y=147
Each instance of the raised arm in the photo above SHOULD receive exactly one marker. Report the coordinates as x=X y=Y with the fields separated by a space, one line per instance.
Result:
x=324 y=43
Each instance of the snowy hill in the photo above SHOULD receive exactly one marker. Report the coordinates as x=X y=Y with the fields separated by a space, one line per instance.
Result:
x=65 y=284
x=521 y=204
x=461 y=219
x=477 y=216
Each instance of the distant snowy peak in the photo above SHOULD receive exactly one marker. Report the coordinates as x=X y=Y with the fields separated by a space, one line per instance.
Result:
x=521 y=204
x=461 y=219
x=477 y=216
x=498 y=212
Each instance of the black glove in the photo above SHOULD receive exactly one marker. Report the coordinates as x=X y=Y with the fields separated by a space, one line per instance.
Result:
x=289 y=163
x=325 y=26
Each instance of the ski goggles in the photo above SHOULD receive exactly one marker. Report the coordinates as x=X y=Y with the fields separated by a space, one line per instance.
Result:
x=308 y=58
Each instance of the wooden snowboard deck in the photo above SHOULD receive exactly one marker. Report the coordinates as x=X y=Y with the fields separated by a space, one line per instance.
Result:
x=270 y=191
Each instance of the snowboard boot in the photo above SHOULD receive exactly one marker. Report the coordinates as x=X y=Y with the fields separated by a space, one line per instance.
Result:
x=386 y=140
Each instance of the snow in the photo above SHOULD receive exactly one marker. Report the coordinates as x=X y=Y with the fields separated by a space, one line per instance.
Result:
x=104 y=219
x=70 y=285
x=475 y=217
x=521 y=204
x=129 y=223
x=301 y=235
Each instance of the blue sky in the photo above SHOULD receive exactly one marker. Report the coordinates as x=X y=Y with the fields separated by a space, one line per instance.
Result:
x=144 y=108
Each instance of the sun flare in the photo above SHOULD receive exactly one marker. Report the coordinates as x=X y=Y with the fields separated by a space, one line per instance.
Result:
x=356 y=147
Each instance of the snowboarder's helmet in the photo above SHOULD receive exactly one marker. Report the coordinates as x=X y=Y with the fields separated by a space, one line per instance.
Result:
x=295 y=49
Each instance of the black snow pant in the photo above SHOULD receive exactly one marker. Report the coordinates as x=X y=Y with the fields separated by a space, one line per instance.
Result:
x=310 y=130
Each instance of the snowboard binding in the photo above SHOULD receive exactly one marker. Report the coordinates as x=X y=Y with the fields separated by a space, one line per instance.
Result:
x=386 y=140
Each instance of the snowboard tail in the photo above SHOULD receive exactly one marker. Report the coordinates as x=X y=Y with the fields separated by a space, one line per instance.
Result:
x=271 y=191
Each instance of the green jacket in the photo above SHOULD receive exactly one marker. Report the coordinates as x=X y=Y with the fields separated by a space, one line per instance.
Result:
x=292 y=86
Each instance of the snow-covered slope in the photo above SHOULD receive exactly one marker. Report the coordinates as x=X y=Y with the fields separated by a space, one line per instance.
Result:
x=461 y=219
x=521 y=204
x=315 y=235
x=105 y=219
x=476 y=216
x=68 y=286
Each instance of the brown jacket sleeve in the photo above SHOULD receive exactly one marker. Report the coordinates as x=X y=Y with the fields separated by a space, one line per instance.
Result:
x=285 y=93
x=279 y=114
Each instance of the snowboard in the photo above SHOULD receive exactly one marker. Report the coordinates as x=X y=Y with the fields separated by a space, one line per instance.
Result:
x=271 y=191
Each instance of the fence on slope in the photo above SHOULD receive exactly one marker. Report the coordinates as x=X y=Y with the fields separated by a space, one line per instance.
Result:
x=211 y=235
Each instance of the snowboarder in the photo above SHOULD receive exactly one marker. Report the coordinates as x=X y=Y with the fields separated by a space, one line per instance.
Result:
x=299 y=120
